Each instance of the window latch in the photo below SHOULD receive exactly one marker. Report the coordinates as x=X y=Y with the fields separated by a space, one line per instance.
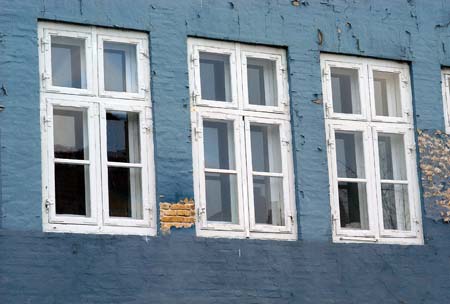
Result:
x=200 y=212
x=48 y=203
x=194 y=60
x=44 y=44
x=45 y=76
x=150 y=212
x=195 y=96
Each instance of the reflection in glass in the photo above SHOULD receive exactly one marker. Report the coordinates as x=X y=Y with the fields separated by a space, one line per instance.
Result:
x=72 y=189
x=353 y=211
x=120 y=67
x=218 y=144
x=68 y=62
x=215 y=77
x=387 y=94
x=392 y=156
x=266 y=149
x=70 y=134
x=345 y=91
x=268 y=200
x=396 y=215
x=123 y=136
x=221 y=197
x=349 y=154
x=262 y=86
x=125 y=198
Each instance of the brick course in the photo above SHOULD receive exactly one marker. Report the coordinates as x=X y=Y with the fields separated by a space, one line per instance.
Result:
x=177 y=215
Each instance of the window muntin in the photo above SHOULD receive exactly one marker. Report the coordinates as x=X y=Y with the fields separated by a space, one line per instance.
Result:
x=242 y=162
x=352 y=184
x=97 y=154
x=374 y=185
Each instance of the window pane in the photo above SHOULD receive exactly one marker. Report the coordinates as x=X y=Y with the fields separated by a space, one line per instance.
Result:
x=395 y=202
x=262 y=85
x=350 y=154
x=221 y=197
x=120 y=67
x=215 y=76
x=353 y=205
x=70 y=134
x=72 y=189
x=266 y=149
x=125 y=194
x=345 y=91
x=218 y=144
x=68 y=62
x=123 y=137
x=268 y=200
x=392 y=156
x=387 y=94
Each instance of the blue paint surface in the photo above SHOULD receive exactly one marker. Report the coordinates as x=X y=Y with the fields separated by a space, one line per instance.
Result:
x=46 y=268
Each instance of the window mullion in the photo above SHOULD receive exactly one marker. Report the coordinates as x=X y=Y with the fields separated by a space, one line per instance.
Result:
x=247 y=179
x=374 y=181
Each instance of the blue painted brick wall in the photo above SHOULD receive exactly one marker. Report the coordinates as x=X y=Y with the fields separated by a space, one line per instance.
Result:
x=48 y=268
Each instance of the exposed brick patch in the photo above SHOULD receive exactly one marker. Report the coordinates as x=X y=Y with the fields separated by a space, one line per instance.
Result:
x=434 y=148
x=177 y=215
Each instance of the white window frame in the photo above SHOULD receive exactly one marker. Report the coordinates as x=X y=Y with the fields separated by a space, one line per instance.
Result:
x=241 y=114
x=70 y=31
x=142 y=67
x=96 y=104
x=446 y=98
x=371 y=124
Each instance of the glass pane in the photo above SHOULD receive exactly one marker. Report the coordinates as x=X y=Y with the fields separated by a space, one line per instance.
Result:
x=395 y=202
x=392 y=156
x=215 y=76
x=123 y=137
x=262 y=84
x=345 y=91
x=70 y=134
x=350 y=154
x=266 y=149
x=68 y=62
x=125 y=194
x=218 y=144
x=387 y=94
x=268 y=200
x=120 y=67
x=221 y=197
x=353 y=205
x=72 y=189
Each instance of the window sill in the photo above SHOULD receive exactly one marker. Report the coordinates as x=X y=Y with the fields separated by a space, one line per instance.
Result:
x=88 y=229
x=243 y=235
x=384 y=240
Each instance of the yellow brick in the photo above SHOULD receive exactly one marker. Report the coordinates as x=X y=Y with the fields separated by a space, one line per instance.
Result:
x=180 y=207
x=169 y=212
x=164 y=206
x=182 y=212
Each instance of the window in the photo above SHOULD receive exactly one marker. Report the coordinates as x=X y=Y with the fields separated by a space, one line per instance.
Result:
x=446 y=97
x=371 y=151
x=241 y=141
x=96 y=130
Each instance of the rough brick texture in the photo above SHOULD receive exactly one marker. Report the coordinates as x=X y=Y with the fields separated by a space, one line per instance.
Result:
x=434 y=148
x=177 y=215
